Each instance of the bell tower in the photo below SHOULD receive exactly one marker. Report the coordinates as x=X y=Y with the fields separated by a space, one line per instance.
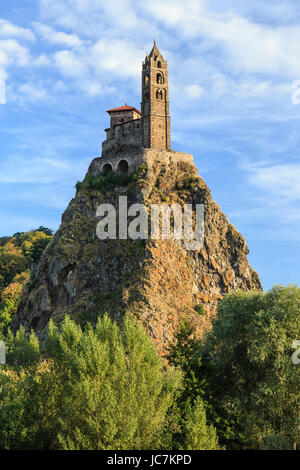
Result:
x=155 y=101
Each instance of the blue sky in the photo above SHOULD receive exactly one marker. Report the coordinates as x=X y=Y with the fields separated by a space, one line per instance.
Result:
x=234 y=73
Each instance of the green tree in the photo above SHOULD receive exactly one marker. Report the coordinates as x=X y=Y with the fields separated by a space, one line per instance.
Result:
x=121 y=390
x=187 y=427
x=33 y=244
x=17 y=254
x=102 y=388
x=12 y=262
x=247 y=360
x=10 y=299
x=184 y=352
x=198 y=434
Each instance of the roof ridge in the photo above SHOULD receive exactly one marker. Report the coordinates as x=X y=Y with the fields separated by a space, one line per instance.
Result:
x=123 y=108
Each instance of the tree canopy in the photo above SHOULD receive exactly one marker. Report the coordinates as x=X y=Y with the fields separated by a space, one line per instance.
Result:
x=17 y=255
x=247 y=359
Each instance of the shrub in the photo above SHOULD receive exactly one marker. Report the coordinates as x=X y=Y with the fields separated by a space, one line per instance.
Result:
x=106 y=183
x=199 y=309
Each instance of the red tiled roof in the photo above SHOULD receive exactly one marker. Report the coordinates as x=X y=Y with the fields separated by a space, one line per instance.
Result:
x=123 y=108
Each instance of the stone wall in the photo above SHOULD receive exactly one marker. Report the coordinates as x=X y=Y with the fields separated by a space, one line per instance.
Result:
x=122 y=116
x=127 y=133
x=153 y=156
x=129 y=153
x=135 y=156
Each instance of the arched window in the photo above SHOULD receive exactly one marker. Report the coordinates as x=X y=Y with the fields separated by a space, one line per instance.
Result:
x=159 y=94
x=159 y=79
x=107 y=168
x=122 y=167
x=159 y=64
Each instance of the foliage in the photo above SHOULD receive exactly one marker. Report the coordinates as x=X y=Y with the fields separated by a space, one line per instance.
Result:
x=17 y=254
x=187 y=426
x=12 y=262
x=33 y=245
x=275 y=442
x=247 y=359
x=198 y=434
x=106 y=183
x=4 y=240
x=10 y=299
x=107 y=388
x=188 y=183
x=18 y=237
x=101 y=388
x=199 y=309
x=45 y=230
x=184 y=352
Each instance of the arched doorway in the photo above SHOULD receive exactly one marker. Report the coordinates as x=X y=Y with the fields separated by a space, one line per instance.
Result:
x=107 y=168
x=122 y=167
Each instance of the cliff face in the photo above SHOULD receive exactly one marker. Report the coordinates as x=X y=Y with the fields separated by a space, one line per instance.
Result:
x=157 y=281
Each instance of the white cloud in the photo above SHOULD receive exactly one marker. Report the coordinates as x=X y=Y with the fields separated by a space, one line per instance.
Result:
x=57 y=37
x=21 y=170
x=70 y=64
x=281 y=12
x=251 y=47
x=43 y=60
x=12 y=52
x=92 y=88
x=98 y=18
x=237 y=45
x=256 y=88
x=94 y=67
x=60 y=86
x=45 y=195
x=10 y=30
x=281 y=181
x=118 y=56
x=39 y=170
x=31 y=91
x=193 y=91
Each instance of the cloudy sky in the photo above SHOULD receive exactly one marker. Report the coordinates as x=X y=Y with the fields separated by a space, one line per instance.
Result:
x=234 y=72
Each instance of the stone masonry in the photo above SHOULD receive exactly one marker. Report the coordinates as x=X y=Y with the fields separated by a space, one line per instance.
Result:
x=131 y=132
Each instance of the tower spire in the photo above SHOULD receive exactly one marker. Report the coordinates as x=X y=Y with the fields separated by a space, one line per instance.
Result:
x=155 y=101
